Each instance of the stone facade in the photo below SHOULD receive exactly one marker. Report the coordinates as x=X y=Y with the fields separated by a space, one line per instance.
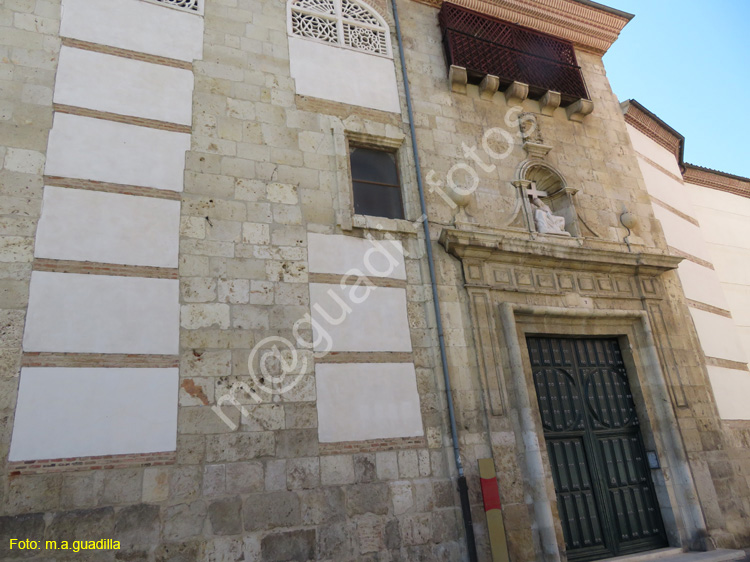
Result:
x=266 y=170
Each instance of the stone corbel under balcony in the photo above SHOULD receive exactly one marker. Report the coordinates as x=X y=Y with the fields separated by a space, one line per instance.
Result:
x=458 y=78
x=516 y=93
x=488 y=86
x=550 y=102
x=579 y=109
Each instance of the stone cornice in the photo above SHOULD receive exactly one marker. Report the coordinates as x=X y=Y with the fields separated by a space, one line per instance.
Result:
x=589 y=26
x=654 y=128
x=553 y=253
x=706 y=177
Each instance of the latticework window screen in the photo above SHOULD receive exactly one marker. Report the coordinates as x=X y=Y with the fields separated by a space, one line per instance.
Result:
x=340 y=22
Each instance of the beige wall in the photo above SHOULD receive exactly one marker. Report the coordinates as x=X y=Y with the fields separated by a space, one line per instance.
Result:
x=712 y=229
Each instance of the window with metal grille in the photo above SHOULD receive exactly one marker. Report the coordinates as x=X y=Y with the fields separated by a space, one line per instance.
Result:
x=375 y=183
x=485 y=45
x=346 y=23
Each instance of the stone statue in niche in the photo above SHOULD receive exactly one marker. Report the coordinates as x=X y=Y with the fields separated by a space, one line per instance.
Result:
x=530 y=131
x=547 y=222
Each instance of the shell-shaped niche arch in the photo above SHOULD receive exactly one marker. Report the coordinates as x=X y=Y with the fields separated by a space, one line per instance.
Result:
x=542 y=177
x=546 y=177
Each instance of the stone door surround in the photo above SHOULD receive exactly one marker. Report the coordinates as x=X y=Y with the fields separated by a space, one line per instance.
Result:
x=518 y=286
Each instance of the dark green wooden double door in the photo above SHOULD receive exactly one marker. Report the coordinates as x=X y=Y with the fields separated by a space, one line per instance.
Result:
x=605 y=496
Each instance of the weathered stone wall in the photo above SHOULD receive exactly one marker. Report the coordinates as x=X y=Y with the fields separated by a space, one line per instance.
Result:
x=262 y=174
x=596 y=157
x=30 y=45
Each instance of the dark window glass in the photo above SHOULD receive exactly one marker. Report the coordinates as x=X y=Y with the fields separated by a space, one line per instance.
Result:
x=375 y=183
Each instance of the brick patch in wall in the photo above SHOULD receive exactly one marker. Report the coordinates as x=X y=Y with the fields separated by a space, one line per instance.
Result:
x=709 y=308
x=726 y=364
x=126 y=119
x=114 y=360
x=125 y=53
x=344 y=110
x=336 y=279
x=661 y=168
x=672 y=210
x=97 y=268
x=373 y=445
x=107 y=187
x=101 y=462
x=366 y=357
x=690 y=257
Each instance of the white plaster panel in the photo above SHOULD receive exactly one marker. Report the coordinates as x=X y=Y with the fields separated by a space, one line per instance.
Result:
x=333 y=253
x=102 y=314
x=743 y=332
x=342 y=75
x=720 y=200
x=95 y=149
x=682 y=234
x=124 y=86
x=666 y=188
x=134 y=25
x=718 y=336
x=71 y=412
x=731 y=388
x=654 y=151
x=84 y=225
x=731 y=263
x=724 y=227
x=342 y=323
x=738 y=297
x=701 y=284
x=360 y=401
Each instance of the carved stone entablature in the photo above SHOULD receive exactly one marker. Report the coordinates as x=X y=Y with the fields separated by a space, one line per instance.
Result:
x=608 y=258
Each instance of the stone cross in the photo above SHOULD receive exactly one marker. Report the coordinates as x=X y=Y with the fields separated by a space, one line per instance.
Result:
x=534 y=192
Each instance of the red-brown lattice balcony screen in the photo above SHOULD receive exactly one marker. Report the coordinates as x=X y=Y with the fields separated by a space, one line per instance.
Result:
x=485 y=45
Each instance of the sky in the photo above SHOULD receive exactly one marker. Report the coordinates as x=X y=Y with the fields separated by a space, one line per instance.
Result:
x=688 y=62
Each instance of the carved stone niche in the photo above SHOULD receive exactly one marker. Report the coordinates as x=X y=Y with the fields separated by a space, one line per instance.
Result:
x=535 y=178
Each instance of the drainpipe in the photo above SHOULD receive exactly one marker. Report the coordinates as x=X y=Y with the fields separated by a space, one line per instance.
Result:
x=463 y=489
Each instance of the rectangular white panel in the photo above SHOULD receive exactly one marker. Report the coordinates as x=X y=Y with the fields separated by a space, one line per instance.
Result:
x=95 y=149
x=724 y=227
x=333 y=253
x=720 y=200
x=701 y=284
x=342 y=75
x=654 y=151
x=718 y=336
x=101 y=314
x=666 y=188
x=361 y=401
x=124 y=86
x=72 y=412
x=731 y=388
x=682 y=234
x=738 y=297
x=349 y=319
x=730 y=263
x=134 y=25
x=84 y=225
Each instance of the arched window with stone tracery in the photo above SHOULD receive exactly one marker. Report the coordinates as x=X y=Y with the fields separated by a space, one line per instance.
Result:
x=340 y=50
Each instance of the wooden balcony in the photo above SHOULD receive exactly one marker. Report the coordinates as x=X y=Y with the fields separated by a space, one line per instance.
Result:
x=486 y=46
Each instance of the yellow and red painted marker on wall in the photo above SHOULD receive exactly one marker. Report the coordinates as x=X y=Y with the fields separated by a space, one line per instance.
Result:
x=493 y=510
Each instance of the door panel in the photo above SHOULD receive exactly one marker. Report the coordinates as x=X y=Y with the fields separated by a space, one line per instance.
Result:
x=604 y=491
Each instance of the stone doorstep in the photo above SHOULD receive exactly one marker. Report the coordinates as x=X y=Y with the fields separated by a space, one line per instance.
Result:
x=677 y=555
